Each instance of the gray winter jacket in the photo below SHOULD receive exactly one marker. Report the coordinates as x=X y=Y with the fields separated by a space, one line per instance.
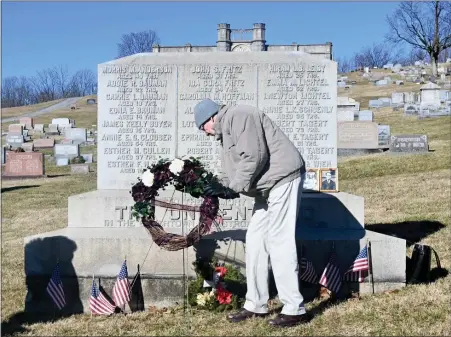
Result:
x=256 y=154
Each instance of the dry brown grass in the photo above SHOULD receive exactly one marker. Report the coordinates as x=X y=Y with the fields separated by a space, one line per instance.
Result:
x=20 y=110
x=412 y=189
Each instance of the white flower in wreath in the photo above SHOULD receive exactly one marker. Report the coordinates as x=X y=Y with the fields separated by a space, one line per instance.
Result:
x=176 y=166
x=186 y=157
x=201 y=300
x=147 y=178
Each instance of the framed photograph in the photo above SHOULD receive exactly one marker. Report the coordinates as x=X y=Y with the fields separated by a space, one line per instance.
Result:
x=329 y=180
x=311 y=181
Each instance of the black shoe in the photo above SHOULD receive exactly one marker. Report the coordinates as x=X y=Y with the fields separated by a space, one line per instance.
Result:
x=243 y=315
x=289 y=320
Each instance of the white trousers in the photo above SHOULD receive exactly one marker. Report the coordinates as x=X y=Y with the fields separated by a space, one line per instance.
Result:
x=271 y=235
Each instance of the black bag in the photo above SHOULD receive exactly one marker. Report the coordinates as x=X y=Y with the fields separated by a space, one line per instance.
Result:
x=420 y=264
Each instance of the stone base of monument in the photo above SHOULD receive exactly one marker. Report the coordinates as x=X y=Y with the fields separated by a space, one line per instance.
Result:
x=85 y=248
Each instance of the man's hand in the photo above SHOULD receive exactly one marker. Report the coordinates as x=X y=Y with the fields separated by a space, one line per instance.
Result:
x=220 y=191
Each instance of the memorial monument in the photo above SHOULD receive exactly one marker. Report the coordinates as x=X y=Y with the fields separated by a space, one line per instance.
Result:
x=145 y=111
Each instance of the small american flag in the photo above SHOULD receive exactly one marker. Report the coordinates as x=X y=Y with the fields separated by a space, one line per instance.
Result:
x=121 y=289
x=308 y=273
x=55 y=288
x=331 y=278
x=98 y=303
x=356 y=276
x=359 y=269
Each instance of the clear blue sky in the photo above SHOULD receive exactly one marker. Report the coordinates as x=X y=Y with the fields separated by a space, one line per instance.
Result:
x=37 y=35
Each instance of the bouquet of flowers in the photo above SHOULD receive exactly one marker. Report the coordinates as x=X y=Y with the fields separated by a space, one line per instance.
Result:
x=211 y=290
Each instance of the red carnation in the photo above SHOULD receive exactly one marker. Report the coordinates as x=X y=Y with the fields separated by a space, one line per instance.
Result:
x=223 y=296
x=221 y=270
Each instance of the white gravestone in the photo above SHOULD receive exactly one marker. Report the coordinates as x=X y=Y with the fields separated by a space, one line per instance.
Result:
x=78 y=135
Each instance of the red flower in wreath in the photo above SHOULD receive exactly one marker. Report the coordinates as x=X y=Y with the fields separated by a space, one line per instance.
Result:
x=223 y=296
x=221 y=270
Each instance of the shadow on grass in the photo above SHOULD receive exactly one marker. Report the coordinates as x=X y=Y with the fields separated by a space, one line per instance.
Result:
x=57 y=175
x=411 y=231
x=14 y=188
x=16 y=323
x=41 y=256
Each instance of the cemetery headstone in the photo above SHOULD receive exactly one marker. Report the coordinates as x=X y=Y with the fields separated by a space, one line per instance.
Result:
x=39 y=128
x=79 y=168
x=14 y=140
x=66 y=141
x=15 y=128
x=366 y=115
x=430 y=94
x=24 y=164
x=63 y=123
x=397 y=99
x=357 y=135
x=44 y=143
x=28 y=121
x=383 y=135
x=77 y=135
x=62 y=161
x=66 y=150
x=375 y=103
x=53 y=129
x=409 y=143
x=445 y=95
x=87 y=157
x=382 y=83
x=411 y=109
x=386 y=101
x=28 y=147
x=345 y=115
x=90 y=101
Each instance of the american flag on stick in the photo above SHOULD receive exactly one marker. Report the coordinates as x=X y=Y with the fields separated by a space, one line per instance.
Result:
x=121 y=289
x=308 y=273
x=331 y=278
x=55 y=288
x=98 y=303
x=359 y=269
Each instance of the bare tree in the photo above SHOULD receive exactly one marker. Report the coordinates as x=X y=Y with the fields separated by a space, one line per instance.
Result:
x=344 y=64
x=45 y=84
x=133 y=43
x=424 y=25
x=82 y=83
x=9 y=85
x=61 y=76
x=376 y=55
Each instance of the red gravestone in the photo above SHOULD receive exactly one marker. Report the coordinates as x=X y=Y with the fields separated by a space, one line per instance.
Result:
x=15 y=128
x=24 y=164
x=44 y=143
x=28 y=121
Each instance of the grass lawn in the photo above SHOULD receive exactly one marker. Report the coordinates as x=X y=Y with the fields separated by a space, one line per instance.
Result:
x=20 y=110
x=411 y=193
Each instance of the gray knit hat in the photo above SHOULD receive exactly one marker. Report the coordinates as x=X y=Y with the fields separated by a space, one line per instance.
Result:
x=204 y=110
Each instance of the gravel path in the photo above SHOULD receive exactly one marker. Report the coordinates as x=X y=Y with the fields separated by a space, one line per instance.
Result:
x=61 y=105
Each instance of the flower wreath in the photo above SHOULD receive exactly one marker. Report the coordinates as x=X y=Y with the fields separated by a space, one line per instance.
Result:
x=187 y=175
